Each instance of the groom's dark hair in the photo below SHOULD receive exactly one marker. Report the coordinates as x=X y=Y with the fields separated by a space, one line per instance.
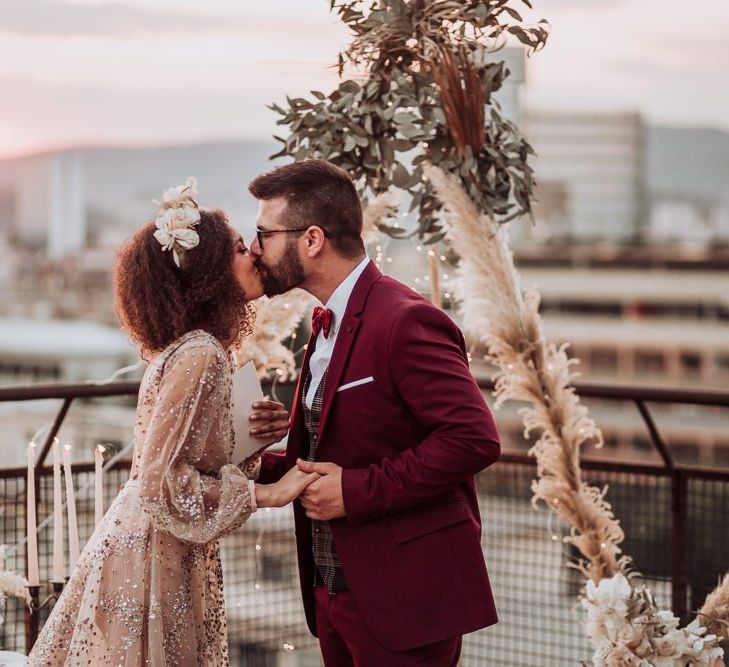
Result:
x=317 y=193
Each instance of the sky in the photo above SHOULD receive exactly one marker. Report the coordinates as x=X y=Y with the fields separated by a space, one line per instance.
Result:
x=151 y=72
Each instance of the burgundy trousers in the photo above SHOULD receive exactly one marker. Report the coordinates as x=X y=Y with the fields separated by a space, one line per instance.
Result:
x=346 y=642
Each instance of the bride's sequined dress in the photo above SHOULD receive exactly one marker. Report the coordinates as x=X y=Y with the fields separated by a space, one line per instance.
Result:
x=148 y=587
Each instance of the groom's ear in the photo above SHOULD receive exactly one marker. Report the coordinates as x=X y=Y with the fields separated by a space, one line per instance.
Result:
x=314 y=241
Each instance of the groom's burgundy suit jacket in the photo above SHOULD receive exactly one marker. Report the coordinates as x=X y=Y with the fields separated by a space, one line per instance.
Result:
x=410 y=443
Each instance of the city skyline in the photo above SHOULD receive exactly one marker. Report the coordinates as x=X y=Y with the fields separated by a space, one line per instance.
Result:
x=152 y=72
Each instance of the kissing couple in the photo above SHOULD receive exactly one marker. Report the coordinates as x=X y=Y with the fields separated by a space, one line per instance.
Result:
x=387 y=431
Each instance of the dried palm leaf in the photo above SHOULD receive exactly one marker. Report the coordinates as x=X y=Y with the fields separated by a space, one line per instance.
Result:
x=462 y=96
x=531 y=370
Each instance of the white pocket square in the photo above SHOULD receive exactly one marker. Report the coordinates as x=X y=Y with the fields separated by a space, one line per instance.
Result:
x=356 y=383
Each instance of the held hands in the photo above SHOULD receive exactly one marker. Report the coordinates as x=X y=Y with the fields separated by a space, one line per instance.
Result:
x=288 y=488
x=322 y=499
x=317 y=485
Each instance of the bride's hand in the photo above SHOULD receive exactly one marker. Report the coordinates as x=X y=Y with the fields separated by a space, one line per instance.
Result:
x=269 y=422
x=287 y=489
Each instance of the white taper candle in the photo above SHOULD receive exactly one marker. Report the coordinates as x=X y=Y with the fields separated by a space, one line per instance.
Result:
x=58 y=572
x=98 y=484
x=33 y=571
x=73 y=549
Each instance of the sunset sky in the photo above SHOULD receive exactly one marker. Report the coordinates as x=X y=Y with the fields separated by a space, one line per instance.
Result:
x=95 y=72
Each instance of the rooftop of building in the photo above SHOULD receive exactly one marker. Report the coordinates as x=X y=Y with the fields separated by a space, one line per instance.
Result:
x=628 y=285
x=650 y=334
x=61 y=338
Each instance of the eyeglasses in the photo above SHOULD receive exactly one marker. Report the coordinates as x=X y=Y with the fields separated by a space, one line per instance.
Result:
x=262 y=233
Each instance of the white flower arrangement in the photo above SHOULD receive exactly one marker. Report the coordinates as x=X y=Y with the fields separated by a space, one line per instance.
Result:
x=628 y=630
x=176 y=219
x=11 y=584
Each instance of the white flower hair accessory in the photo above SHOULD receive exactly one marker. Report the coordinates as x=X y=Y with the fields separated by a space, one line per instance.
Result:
x=176 y=219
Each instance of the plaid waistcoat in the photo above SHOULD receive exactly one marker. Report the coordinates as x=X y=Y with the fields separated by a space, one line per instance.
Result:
x=326 y=557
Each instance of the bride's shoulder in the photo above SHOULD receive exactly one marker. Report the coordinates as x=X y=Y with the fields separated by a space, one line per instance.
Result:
x=197 y=346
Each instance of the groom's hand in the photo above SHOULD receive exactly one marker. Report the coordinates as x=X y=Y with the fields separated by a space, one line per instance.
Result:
x=323 y=498
x=269 y=421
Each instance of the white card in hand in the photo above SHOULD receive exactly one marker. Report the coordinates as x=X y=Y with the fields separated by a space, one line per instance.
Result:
x=246 y=391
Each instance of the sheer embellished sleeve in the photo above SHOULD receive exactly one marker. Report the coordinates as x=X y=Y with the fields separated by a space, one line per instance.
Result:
x=252 y=467
x=180 y=499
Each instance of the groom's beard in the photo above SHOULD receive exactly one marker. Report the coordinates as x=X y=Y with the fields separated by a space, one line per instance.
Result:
x=284 y=275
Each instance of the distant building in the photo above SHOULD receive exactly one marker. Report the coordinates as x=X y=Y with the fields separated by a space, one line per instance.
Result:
x=590 y=175
x=33 y=352
x=51 y=203
x=67 y=201
x=509 y=95
x=65 y=351
x=688 y=180
x=639 y=326
x=689 y=219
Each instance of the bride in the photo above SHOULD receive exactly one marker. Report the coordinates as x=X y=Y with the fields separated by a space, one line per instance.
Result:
x=148 y=587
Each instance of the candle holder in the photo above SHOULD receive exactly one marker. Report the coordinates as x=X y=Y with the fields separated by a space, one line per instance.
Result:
x=35 y=602
x=34 y=592
x=58 y=587
x=31 y=617
x=32 y=623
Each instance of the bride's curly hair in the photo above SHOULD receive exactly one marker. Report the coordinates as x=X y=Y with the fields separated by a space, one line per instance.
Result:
x=157 y=301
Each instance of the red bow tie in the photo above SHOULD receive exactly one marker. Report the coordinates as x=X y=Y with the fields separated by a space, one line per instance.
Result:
x=321 y=320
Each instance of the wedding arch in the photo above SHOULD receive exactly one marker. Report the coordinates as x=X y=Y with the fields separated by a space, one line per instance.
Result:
x=418 y=115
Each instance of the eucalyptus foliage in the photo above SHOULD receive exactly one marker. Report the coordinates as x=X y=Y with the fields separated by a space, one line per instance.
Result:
x=425 y=67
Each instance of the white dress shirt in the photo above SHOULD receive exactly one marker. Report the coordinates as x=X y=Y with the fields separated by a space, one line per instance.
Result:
x=319 y=361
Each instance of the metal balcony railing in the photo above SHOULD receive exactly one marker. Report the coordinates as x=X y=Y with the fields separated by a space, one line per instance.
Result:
x=675 y=517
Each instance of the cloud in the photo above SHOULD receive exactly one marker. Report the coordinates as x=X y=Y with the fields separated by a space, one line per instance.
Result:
x=180 y=70
x=96 y=72
x=130 y=19
x=582 y=4
x=42 y=17
x=36 y=116
x=209 y=62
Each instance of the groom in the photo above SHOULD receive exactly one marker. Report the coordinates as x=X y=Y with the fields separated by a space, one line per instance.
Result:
x=387 y=411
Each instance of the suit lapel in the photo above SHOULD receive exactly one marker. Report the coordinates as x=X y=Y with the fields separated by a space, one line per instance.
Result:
x=345 y=341
x=346 y=336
